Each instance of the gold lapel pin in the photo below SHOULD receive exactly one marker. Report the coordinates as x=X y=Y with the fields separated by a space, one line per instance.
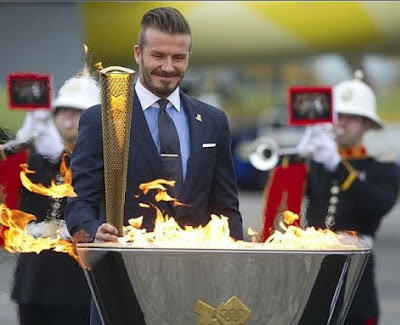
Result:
x=198 y=118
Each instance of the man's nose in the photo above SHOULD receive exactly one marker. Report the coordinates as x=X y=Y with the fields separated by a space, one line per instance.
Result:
x=168 y=65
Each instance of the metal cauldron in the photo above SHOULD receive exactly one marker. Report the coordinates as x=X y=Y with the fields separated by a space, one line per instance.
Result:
x=253 y=286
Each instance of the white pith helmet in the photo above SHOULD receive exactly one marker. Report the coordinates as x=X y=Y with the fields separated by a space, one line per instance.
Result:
x=356 y=98
x=79 y=92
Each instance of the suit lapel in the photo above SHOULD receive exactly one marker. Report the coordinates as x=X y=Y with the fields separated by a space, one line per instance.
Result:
x=192 y=110
x=141 y=136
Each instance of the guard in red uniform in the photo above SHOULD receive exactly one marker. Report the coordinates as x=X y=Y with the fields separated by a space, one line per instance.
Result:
x=347 y=189
x=50 y=288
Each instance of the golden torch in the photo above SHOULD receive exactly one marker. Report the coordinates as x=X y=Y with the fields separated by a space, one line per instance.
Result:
x=116 y=85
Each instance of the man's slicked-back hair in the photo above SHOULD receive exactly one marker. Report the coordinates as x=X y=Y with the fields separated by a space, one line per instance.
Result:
x=166 y=20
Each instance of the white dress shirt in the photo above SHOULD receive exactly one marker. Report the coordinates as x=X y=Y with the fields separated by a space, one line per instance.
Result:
x=175 y=110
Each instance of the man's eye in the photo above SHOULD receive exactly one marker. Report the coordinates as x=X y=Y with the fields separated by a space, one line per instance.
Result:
x=180 y=58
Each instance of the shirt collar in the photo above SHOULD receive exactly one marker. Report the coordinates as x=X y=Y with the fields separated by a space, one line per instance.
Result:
x=148 y=99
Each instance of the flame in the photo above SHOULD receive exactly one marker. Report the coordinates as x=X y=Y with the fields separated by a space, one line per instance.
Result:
x=168 y=233
x=64 y=170
x=309 y=238
x=54 y=191
x=99 y=65
x=15 y=238
x=161 y=194
x=157 y=184
x=85 y=71
x=293 y=237
x=289 y=217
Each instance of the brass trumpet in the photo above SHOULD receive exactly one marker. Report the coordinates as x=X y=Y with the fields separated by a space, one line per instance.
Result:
x=266 y=152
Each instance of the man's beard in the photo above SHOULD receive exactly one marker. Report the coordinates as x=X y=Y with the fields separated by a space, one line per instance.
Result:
x=160 y=91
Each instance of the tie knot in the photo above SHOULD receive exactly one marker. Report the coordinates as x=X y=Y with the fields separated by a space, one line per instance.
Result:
x=163 y=103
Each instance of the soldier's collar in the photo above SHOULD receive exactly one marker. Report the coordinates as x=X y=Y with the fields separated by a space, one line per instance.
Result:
x=356 y=152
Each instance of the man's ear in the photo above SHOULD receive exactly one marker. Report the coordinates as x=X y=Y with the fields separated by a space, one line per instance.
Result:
x=187 y=63
x=138 y=53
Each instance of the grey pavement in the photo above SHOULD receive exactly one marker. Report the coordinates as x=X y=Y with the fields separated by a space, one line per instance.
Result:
x=7 y=308
x=386 y=250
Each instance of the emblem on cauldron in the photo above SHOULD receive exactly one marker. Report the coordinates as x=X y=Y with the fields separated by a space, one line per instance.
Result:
x=232 y=312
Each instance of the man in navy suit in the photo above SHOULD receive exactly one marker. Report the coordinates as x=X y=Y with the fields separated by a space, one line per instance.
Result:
x=208 y=177
x=209 y=183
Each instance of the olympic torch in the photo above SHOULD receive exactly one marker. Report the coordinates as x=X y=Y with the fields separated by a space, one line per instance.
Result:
x=116 y=86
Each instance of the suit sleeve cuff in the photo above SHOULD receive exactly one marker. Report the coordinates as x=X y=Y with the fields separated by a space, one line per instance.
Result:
x=89 y=228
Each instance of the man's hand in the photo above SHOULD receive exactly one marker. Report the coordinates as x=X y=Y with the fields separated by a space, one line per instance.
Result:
x=318 y=140
x=38 y=128
x=106 y=233
x=46 y=138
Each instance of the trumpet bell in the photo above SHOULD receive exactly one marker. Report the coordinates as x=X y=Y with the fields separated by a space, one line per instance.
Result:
x=265 y=154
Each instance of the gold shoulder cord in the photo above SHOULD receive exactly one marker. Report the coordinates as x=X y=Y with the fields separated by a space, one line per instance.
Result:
x=351 y=178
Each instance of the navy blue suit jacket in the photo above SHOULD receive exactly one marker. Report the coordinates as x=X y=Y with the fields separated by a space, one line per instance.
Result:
x=209 y=187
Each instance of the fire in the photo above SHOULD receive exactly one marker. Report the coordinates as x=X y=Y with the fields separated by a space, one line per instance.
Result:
x=66 y=171
x=161 y=194
x=99 y=65
x=14 y=235
x=311 y=238
x=157 y=184
x=168 y=233
x=54 y=191
x=290 y=218
x=293 y=237
x=15 y=238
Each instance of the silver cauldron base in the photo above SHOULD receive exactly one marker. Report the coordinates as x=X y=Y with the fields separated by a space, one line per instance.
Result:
x=277 y=286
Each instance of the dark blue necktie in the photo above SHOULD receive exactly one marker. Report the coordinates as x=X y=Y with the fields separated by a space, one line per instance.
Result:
x=170 y=149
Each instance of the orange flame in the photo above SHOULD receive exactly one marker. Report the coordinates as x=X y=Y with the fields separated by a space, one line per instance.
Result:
x=64 y=170
x=289 y=217
x=54 y=191
x=15 y=239
x=157 y=184
x=292 y=237
x=99 y=65
x=167 y=232
x=161 y=194
x=14 y=236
